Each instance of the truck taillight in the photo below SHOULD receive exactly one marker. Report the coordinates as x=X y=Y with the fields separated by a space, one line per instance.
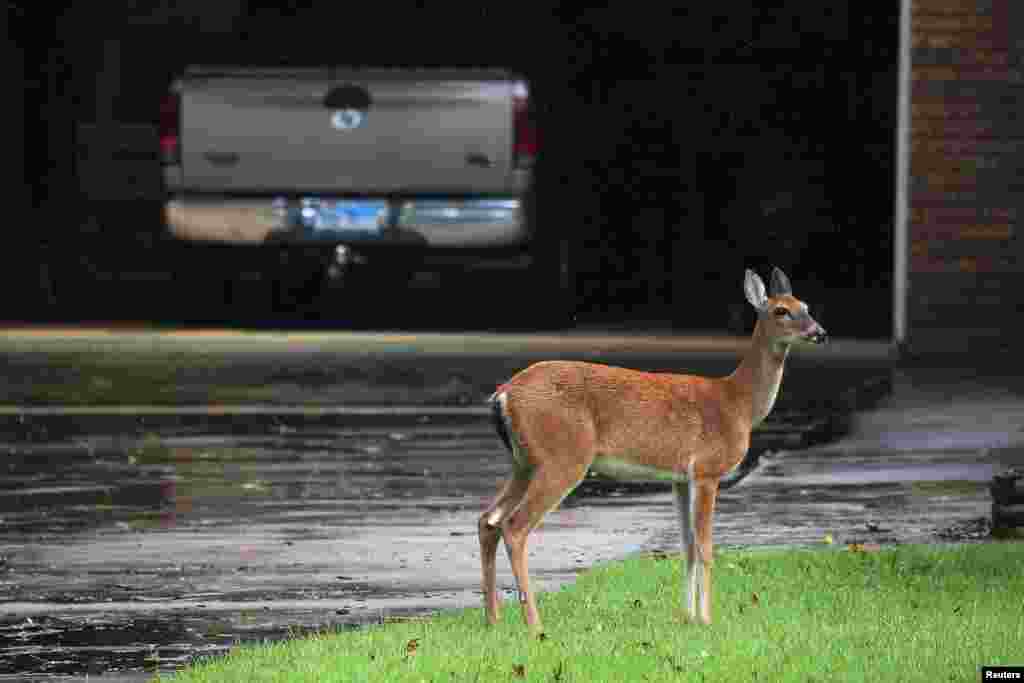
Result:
x=524 y=142
x=170 y=124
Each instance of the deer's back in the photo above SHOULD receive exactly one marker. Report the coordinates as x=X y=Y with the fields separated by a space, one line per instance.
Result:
x=662 y=419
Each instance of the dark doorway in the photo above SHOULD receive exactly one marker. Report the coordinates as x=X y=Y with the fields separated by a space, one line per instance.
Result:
x=771 y=141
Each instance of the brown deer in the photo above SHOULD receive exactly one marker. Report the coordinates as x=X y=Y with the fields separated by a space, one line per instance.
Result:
x=560 y=419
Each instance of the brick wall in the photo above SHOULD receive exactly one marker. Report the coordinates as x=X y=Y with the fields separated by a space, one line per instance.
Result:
x=966 y=174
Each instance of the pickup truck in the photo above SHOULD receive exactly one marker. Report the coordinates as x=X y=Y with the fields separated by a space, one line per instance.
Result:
x=383 y=174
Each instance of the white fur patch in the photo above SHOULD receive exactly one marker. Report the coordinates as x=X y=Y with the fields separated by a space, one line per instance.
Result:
x=497 y=514
x=623 y=469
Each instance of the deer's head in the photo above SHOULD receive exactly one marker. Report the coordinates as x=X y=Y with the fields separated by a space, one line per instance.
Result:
x=782 y=317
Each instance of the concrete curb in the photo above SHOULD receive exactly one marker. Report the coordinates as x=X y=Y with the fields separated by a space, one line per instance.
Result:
x=242 y=410
x=201 y=342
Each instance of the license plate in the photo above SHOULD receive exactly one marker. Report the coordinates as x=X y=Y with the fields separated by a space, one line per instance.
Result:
x=343 y=215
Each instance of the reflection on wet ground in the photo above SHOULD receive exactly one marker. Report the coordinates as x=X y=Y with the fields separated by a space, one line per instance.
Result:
x=121 y=551
x=140 y=551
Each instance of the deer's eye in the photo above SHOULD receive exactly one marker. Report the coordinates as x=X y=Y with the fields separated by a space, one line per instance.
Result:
x=781 y=312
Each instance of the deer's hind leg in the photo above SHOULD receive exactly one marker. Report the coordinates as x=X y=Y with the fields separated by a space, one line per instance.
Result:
x=489 y=531
x=550 y=484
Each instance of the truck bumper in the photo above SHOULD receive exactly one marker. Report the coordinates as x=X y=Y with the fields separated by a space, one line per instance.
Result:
x=446 y=224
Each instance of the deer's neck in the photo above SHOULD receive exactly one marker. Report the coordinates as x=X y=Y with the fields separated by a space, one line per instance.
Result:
x=756 y=380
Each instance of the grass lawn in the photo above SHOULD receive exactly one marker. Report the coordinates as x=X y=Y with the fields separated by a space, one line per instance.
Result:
x=906 y=613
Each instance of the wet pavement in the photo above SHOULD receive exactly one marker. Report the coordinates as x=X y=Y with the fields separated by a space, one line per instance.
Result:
x=129 y=551
x=123 y=549
x=133 y=541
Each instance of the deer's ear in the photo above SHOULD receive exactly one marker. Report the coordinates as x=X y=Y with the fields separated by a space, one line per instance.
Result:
x=753 y=286
x=780 y=283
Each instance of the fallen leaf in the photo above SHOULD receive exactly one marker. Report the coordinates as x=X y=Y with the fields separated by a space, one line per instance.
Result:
x=519 y=670
x=410 y=647
x=864 y=547
x=755 y=599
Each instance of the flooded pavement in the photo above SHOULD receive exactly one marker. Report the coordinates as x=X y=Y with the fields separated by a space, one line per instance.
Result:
x=130 y=545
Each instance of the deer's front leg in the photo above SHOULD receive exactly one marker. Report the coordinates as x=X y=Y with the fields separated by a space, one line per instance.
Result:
x=688 y=554
x=702 y=501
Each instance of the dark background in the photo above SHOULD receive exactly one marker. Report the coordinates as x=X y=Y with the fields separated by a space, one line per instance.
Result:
x=679 y=145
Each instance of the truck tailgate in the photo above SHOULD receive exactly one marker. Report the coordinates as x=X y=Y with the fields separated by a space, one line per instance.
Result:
x=273 y=131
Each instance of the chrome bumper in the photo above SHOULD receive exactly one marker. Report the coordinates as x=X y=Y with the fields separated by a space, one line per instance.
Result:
x=444 y=223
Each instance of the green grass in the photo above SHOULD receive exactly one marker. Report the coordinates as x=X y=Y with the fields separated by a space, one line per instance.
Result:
x=909 y=613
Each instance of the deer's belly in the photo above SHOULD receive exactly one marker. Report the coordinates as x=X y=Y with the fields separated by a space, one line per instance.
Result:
x=622 y=469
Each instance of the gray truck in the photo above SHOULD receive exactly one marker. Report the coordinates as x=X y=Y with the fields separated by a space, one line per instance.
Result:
x=383 y=174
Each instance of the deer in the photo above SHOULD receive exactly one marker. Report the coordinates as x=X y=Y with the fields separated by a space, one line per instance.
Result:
x=561 y=419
